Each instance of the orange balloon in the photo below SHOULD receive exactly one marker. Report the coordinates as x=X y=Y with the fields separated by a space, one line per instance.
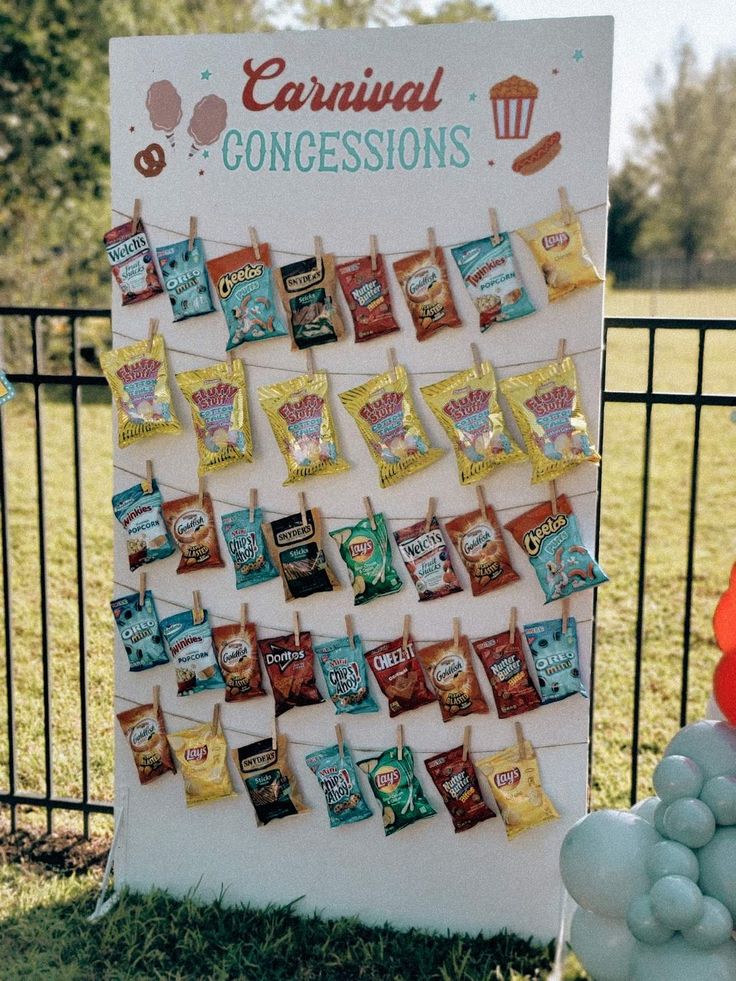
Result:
x=724 y=687
x=724 y=619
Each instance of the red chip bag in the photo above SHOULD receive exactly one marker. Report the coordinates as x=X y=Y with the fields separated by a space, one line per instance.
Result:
x=399 y=675
x=508 y=674
x=290 y=666
x=457 y=781
x=366 y=291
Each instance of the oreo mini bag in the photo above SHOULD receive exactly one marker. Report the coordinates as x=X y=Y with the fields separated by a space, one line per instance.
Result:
x=139 y=630
x=556 y=659
x=185 y=278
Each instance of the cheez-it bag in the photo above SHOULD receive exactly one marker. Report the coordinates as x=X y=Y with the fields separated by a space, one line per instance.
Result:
x=399 y=675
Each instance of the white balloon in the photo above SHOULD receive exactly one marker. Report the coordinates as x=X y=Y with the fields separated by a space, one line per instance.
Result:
x=603 y=945
x=677 y=961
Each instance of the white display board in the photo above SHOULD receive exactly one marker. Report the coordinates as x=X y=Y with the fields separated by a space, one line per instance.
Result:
x=426 y=875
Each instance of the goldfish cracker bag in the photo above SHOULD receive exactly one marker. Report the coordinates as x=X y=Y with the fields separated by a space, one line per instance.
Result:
x=450 y=669
x=191 y=522
x=201 y=753
x=367 y=293
x=387 y=420
x=466 y=406
x=218 y=399
x=479 y=542
x=302 y=425
x=516 y=785
x=139 y=379
x=560 y=253
x=423 y=278
x=236 y=650
x=244 y=286
x=546 y=405
x=145 y=730
x=309 y=294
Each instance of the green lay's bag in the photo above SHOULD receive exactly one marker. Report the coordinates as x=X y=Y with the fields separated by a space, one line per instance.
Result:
x=366 y=551
x=397 y=789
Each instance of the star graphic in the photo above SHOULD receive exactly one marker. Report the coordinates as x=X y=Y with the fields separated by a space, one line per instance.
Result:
x=131 y=129
x=491 y=163
x=472 y=97
x=555 y=71
x=206 y=75
x=201 y=173
x=206 y=154
x=578 y=55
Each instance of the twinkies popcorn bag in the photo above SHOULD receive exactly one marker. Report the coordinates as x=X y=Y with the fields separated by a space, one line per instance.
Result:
x=365 y=549
x=244 y=285
x=138 y=509
x=247 y=547
x=190 y=645
x=338 y=779
x=131 y=258
x=218 y=400
x=201 y=753
x=490 y=276
x=346 y=677
x=426 y=288
x=145 y=730
x=139 y=380
x=384 y=412
x=309 y=294
x=271 y=785
x=546 y=405
x=185 y=278
x=139 y=630
x=559 y=250
x=466 y=406
x=396 y=788
x=517 y=788
x=556 y=659
x=302 y=425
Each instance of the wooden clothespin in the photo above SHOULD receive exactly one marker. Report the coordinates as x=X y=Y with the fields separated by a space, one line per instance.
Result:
x=481 y=497
x=495 y=232
x=200 y=492
x=432 y=242
x=392 y=365
x=400 y=741
x=135 y=223
x=561 y=349
x=477 y=363
x=553 y=496
x=243 y=615
x=568 y=214
x=192 y=231
x=274 y=733
x=318 y=248
x=297 y=627
x=252 y=504
x=340 y=742
x=349 y=630
x=215 y=728
x=405 y=631
x=156 y=699
x=229 y=357
x=152 y=331
x=456 y=631
x=254 y=243
x=512 y=625
x=431 y=508
x=303 y=506
x=147 y=482
x=309 y=354
x=466 y=743
x=197 y=611
x=141 y=590
x=374 y=249
x=565 y=614
x=369 y=511
x=520 y=740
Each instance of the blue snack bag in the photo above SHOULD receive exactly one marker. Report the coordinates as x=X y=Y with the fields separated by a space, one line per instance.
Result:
x=344 y=669
x=338 y=779
x=556 y=659
x=245 y=287
x=247 y=547
x=490 y=275
x=138 y=509
x=139 y=630
x=185 y=278
x=192 y=651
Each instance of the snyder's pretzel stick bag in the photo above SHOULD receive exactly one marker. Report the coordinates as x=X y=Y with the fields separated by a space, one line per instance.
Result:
x=490 y=275
x=138 y=510
x=399 y=676
x=270 y=783
x=139 y=630
x=302 y=425
x=450 y=669
x=560 y=253
x=202 y=758
x=345 y=674
x=296 y=548
x=290 y=666
x=192 y=526
x=517 y=788
x=244 y=287
x=427 y=291
x=338 y=779
x=479 y=542
x=190 y=646
x=556 y=659
x=247 y=547
x=367 y=293
x=457 y=781
x=505 y=665
x=546 y=406
x=132 y=263
x=139 y=379
x=366 y=551
x=467 y=407
x=236 y=650
x=427 y=559
x=309 y=294
x=397 y=789
x=218 y=400
x=185 y=278
x=145 y=731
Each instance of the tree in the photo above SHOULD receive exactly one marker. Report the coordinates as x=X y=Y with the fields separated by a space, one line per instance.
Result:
x=630 y=209
x=452 y=12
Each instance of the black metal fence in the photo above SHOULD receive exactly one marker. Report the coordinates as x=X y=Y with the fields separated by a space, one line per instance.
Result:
x=77 y=375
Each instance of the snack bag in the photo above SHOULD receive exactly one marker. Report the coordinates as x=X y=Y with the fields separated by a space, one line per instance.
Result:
x=201 y=753
x=218 y=400
x=396 y=788
x=139 y=380
x=366 y=291
x=296 y=549
x=517 y=788
x=139 y=630
x=191 y=650
x=145 y=730
x=384 y=412
x=338 y=778
x=308 y=292
x=366 y=551
x=192 y=526
x=505 y=665
x=302 y=425
x=130 y=256
x=138 y=510
x=268 y=779
x=546 y=406
x=236 y=650
x=247 y=547
x=555 y=549
x=290 y=666
x=244 y=287
x=467 y=407
x=450 y=669
x=457 y=781
x=556 y=659
x=185 y=278
x=423 y=278
x=479 y=542
x=345 y=674
x=427 y=559
x=560 y=253
x=490 y=275
x=399 y=676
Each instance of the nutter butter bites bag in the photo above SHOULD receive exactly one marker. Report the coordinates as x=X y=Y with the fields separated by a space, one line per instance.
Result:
x=517 y=788
x=302 y=425
x=139 y=630
x=346 y=676
x=185 y=278
x=491 y=278
x=367 y=293
x=308 y=292
x=387 y=420
x=478 y=539
x=450 y=669
x=366 y=551
x=218 y=399
x=555 y=549
x=560 y=253
x=423 y=279
x=396 y=788
x=296 y=548
x=236 y=650
x=556 y=659
x=290 y=665
x=244 y=287
x=338 y=779
x=131 y=258
x=138 y=510
x=192 y=526
x=202 y=757
x=505 y=665
x=427 y=559
x=457 y=781
x=145 y=730
x=139 y=379
x=467 y=407
x=191 y=650
x=546 y=405
x=247 y=547
x=268 y=779
x=399 y=676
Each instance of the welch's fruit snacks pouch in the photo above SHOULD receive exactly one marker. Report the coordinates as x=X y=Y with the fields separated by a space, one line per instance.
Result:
x=139 y=630
x=138 y=509
x=131 y=258
x=185 y=278
x=338 y=778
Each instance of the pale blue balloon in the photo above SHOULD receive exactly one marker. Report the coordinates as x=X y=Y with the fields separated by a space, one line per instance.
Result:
x=676 y=902
x=602 y=860
x=677 y=961
x=602 y=944
x=719 y=793
x=718 y=868
x=659 y=816
x=711 y=744
x=645 y=926
x=646 y=808
x=689 y=821
x=671 y=858
x=712 y=929
x=677 y=776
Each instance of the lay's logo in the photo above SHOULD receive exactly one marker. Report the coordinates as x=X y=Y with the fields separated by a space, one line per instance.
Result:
x=387 y=779
x=557 y=241
x=509 y=778
x=196 y=754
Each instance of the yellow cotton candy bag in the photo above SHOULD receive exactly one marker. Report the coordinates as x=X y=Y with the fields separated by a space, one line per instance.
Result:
x=218 y=399
x=517 y=788
x=467 y=407
x=560 y=253
x=302 y=424
x=546 y=405
x=201 y=754
x=384 y=412
x=139 y=379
